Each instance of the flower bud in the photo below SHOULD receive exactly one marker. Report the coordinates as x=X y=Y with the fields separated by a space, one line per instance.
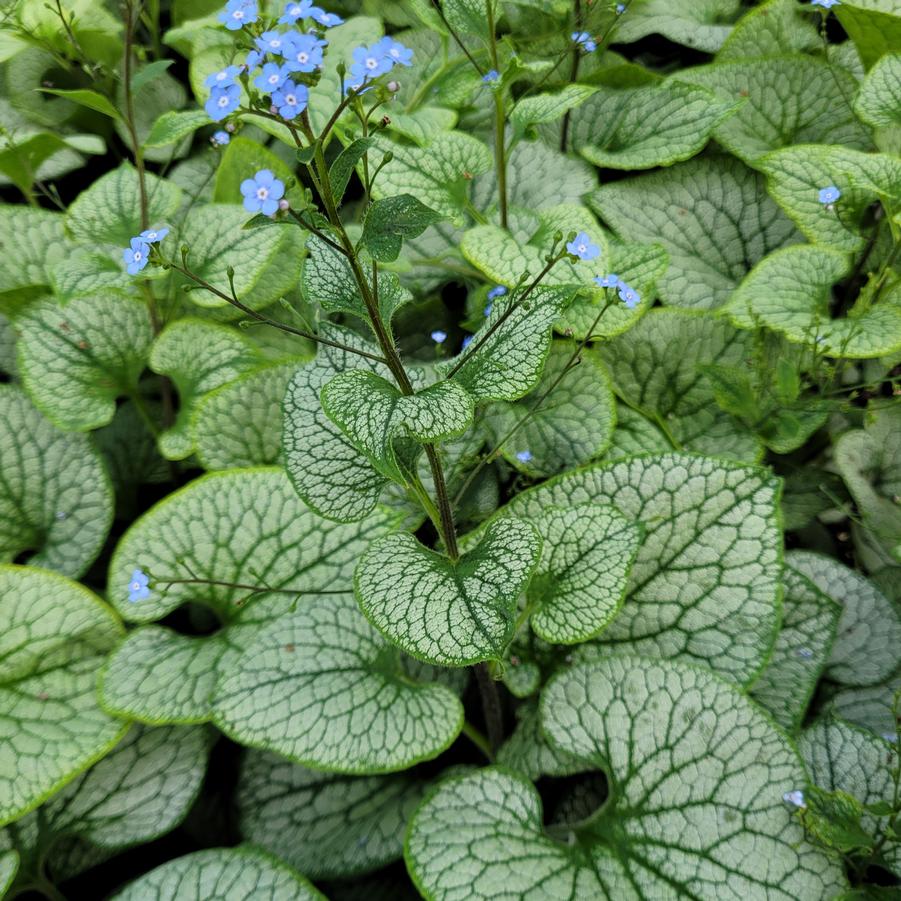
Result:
x=230 y=126
x=393 y=86
x=283 y=204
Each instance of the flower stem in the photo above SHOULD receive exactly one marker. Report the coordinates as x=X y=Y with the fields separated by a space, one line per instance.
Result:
x=500 y=138
x=491 y=706
x=478 y=739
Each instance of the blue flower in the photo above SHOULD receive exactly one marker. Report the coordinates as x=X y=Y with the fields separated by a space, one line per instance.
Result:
x=223 y=101
x=302 y=52
x=467 y=341
x=220 y=138
x=488 y=308
x=272 y=42
x=262 y=193
x=272 y=77
x=607 y=281
x=829 y=194
x=295 y=11
x=524 y=456
x=582 y=247
x=254 y=58
x=327 y=20
x=136 y=255
x=795 y=797
x=371 y=61
x=620 y=8
x=238 y=13
x=584 y=40
x=153 y=235
x=138 y=586
x=395 y=51
x=223 y=78
x=291 y=99
x=497 y=291
x=438 y=336
x=629 y=296
x=826 y=4
x=492 y=77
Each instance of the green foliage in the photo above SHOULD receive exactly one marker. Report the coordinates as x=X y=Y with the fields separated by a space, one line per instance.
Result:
x=478 y=450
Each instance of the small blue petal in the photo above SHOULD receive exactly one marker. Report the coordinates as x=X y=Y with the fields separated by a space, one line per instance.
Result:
x=439 y=337
x=524 y=456
x=221 y=138
x=583 y=248
x=825 y=4
x=467 y=341
x=607 y=281
x=492 y=76
x=238 y=13
x=498 y=291
x=138 y=589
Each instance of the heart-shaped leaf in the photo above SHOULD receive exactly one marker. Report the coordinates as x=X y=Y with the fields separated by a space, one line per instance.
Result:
x=446 y=612
x=373 y=413
x=645 y=724
x=56 y=502
x=227 y=874
x=319 y=685
x=140 y=790
x=712 y=215
x=579 y=585
x=328 y=472
x=54 y=635
x=705 y=585
x=388 y=222
x=78 y=358
x=359 y=822
x=869 y=630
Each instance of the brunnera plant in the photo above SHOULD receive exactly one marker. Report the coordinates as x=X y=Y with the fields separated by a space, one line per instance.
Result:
x=450 y=449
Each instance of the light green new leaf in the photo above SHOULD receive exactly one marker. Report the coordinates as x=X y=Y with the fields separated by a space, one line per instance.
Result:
x=56 y=502
x=225 y=527
x=656 y=367
x=143 y=788
x=320 y=686
x=445 y=612
x=197 y=356
x=869 y=460
x=327 y=471
x=373 y=414
x=788 y=100
x=504 y=361
x=389 y=221
x=565 y=421
x=33 y=240
x=437 y=175
x=227 y=874
x=54 y=635
x=869 y=630
x=873 y=25
x=705 y=585
x=579 y=585
x=647 y=126
x=796 y=175
x=791 y=291
x=712 y=215
x=540 y=108
x=77 y=359
x=325 y=825
x=804 y=643
x=700 y=24
x=172 y=127
x=90 y=99
x=842 y=757
x=879 y=100
x=226 y=441
x=645 y=723
x=774 y=27
x=109 y=211
x=329 y=281
x=266 y=261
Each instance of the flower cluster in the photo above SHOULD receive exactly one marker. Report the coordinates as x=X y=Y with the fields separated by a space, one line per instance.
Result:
x=283 y=55
x=137 y=254
x=627 y=294
x=378 y=59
